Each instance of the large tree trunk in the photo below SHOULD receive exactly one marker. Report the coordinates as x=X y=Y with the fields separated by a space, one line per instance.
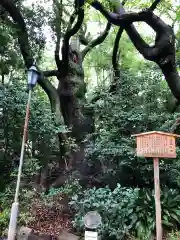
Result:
x=71 y=91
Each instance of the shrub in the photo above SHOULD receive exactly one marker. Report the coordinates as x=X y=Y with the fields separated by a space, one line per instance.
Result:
x=68 y=189
x=170 y=201
x=126 y=211
x=30 y=168
x=114 y=206
x=174 y=236
x=4 y=221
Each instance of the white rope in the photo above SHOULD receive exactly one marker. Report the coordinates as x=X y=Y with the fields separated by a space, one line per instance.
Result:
x=15 y=205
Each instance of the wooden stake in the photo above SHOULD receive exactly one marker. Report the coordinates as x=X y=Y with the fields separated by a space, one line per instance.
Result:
x=157 y=199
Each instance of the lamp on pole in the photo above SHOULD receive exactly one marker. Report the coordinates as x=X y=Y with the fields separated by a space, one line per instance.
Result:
x=33 y=75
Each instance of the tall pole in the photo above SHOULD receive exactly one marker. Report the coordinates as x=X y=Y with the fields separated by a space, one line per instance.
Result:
x=15 y=205
x=157 y=199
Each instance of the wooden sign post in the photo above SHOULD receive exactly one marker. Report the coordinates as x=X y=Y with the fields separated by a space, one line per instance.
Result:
x=156 y=145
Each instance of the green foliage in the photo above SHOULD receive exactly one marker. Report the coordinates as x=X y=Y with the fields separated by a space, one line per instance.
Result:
x=68 y=189
x=58 y=197
x=108 y=203
x=145 y=211
x=30 y=169
x=137 y=106
x=4 y=220
x=42 y=141
x=171 y=208
x=127 y=211
x=6 y=197
x=174 y=236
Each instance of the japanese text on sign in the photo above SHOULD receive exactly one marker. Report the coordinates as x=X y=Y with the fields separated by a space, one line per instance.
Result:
x=156 y=145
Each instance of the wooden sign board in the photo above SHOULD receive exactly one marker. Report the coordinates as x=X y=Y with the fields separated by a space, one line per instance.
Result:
x=156 y=144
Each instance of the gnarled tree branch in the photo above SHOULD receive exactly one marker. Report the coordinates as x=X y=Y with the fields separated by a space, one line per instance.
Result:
x=97 y=41
x=121 y=18
x=163 y=52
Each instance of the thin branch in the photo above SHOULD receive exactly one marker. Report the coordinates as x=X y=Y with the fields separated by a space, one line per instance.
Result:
x=115 y=49
x=115 y=59
x=116 y=53
x=50 y=73
x=154 y=5
x=77 y=26
x=51 y=91
x=70 y=32
x=66 y=11
x=120 y=10
x=56 y=52
x=82 y=38
x=59 y=13
x=97 y=41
